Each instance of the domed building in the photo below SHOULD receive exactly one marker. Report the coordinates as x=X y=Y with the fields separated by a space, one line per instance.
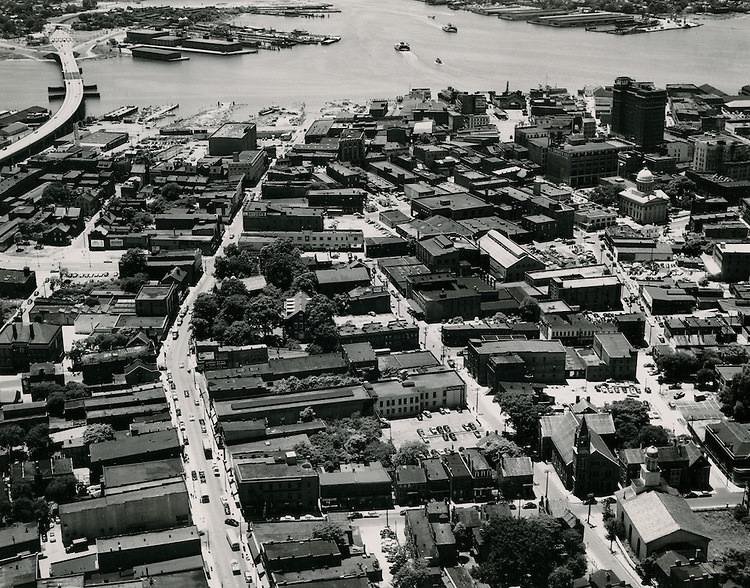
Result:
x=644 y=204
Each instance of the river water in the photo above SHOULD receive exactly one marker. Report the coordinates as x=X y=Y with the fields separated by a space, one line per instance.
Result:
x=484 y=54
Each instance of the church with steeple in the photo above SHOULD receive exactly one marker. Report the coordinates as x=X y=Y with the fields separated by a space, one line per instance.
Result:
x=656 y=518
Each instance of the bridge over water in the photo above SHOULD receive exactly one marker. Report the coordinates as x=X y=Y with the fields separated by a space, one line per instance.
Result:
x=60 y=122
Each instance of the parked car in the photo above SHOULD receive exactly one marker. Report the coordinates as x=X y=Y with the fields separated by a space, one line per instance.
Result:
x=355 y=515
x=529 y=505
x=427 y=414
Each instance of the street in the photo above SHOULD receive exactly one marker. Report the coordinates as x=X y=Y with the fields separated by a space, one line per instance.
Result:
x=208 y=517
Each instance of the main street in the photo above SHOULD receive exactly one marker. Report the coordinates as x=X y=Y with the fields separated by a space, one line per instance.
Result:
x=208 y=517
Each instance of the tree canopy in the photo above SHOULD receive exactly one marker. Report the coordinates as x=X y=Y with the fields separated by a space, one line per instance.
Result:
x=57 y=193
x=235 y=262
x=735 y=398
x=355 y=439
x=319 y=326
x=524 y=552
x=735 y=564
x=630 y=417
x=96 y=433
x=524 y=414
x=330 y=532
x=408 y=453
x=280 y=262
x=132 y=262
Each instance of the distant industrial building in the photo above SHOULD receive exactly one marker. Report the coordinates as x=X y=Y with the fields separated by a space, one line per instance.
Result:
x=233 y=137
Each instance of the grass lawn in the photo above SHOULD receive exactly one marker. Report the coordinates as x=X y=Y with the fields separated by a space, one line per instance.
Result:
x=726 y=532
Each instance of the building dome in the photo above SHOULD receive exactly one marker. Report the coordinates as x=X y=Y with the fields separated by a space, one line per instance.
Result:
x=644 y=176
x=652 y=452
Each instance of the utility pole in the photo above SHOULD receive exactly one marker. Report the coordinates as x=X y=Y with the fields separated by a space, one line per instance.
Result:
x=546 y=486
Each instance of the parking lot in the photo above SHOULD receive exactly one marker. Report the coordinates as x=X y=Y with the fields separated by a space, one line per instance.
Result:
x=403 y=430
x=703 y=410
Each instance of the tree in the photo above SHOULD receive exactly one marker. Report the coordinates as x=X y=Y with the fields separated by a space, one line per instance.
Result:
x=629 y=417
x=240 y=333
x=280 y=262
x=265 y=313
x=307 y=415
x=561 y=577
x=524 y=413
x=735 y=398
x=38 y=442
x=171 y=191
x=11 y=436
x=604 y=195
x=304 y=282
x=408 y=453
x=734 y=354
x=413 y=574
x=681 y=191
x=463 y=535
x=22 y=489
x=61 y=489
x=5 y=507
x=56 y=404
x=319 y=325
x=529 y=309
x=677 y=366
x=132 y=262
x=42 y=390
x=736 y=565
x=496 y=447
x=615 y=528
x=522 y=552
x=329 y=532
x=96 y=433
x=653 y=435
x=57 y=193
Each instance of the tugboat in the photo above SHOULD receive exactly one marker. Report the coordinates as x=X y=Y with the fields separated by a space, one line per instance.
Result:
x=450 y=28
x=402 y=46
x=438 y=61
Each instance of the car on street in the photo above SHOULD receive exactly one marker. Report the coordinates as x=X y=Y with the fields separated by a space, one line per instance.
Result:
x=197 y=402
x=420 y=432
x=440 y=429
x=477 y=434
x=529 y=505
x=442 y=410
x=372 y=515
x=452 y=436
x=194 y=475
x=235 y=567
x=182 y=364
x=355 y=515
x=51 y=536
x=447 y=428
x=216 y=470
x=445 y=436
x=420 y=416
x=191 y=417
x=202 y=475
x=678 y=395
x=248 y=577
x=231 y=522
x=447 y=410
x=186 y=393
x=427 y=414
x=182 y=426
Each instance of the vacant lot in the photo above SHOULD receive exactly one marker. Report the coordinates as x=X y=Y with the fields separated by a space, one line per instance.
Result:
x=726 y=532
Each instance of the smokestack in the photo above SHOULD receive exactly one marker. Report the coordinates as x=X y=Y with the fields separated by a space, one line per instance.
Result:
x=15 y=331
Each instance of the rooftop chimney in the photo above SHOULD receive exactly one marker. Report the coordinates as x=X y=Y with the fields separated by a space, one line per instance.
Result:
x=15 y=331
x=26 y=271
x=31 y=331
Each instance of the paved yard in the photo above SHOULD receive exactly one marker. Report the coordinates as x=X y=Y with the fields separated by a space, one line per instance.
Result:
x=403 y=430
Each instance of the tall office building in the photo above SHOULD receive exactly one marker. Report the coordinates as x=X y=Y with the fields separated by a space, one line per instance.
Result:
x=638 y=111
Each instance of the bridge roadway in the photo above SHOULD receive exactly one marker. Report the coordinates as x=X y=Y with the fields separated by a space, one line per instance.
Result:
x=41 y=137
